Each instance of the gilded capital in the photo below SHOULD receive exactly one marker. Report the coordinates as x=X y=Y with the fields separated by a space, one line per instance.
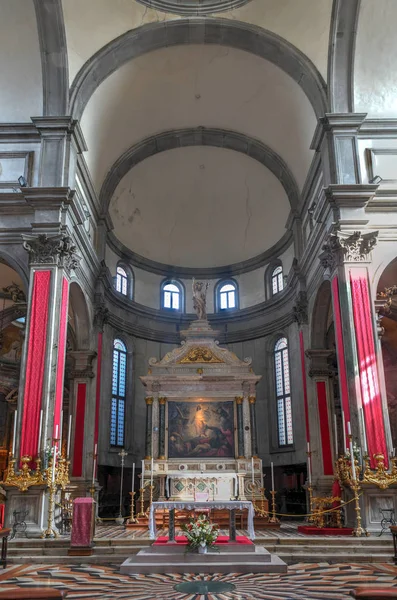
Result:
x=162 y=400
x=239 y=399
x=252 y=399
x=149 y=401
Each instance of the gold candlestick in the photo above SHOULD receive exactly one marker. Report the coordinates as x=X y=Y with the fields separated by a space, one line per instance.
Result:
x=50 y=532
x=358 y=531
x=273 y=518
x=141 y=512
x=132 y=518
x=310 y=491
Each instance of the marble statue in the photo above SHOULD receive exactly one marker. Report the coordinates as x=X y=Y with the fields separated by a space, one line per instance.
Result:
x=200 y=299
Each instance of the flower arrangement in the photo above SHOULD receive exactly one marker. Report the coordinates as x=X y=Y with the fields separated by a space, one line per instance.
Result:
x=200 y=533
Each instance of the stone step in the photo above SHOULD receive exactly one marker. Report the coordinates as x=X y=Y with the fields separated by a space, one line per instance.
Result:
x=201 y=565
x=153 y=555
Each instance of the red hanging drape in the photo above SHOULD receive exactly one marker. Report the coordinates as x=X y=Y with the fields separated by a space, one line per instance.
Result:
x=321 y=388
x=367 y=364
x=63 y=322
x=79 y=430
x=35 y=363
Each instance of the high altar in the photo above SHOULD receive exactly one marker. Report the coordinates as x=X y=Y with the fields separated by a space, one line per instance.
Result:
x=200 y=421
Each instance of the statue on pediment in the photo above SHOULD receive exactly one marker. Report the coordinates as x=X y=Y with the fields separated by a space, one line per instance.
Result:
x=200 y=299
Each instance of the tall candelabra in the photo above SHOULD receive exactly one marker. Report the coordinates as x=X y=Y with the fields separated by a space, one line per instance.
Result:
x=132 y=519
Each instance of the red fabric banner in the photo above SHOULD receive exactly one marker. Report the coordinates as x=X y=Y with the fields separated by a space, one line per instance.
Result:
x=304 y=381
x=98 y=388
x=328 y=467
x=35 y=362
x=82 y=524
x=368 y=368
x=63 y=323
x=77 y=470
x=344 y=390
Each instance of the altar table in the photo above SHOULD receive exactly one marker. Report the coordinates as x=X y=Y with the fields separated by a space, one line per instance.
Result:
x=231 y=506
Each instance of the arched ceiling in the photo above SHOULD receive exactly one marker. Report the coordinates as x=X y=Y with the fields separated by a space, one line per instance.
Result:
x=199 y=207
x=193 y=86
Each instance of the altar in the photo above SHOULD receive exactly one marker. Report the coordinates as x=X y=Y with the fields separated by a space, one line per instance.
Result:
x=201 y=441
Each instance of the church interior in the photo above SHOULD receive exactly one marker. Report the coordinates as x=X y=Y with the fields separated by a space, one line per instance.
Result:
x=198 y=299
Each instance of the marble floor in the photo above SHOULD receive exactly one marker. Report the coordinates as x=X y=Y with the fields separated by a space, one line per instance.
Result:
x=316 y=581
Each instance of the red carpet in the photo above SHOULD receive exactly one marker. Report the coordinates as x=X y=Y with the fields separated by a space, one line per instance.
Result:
x=241 y=540
x=308 y=530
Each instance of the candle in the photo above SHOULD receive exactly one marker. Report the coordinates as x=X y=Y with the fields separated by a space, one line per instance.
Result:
x=133 y=477
x=14 y=437
x=40 y=428
x=252 y=469
x=352 y=459
x=61 y=431
x=93 y=470
x=308 y=447
x=349 y=429
x=151 y=472
x=54 y=460
x=344 y=430
x=69 y=435
x=272 y=469
x=309 y=470
x=56 y=433
x=336 y=437
x=143 y=474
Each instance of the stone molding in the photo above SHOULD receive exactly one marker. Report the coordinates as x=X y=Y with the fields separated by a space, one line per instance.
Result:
x=58 y=250
x=82 y=368
x=200 y=7
x=300 y=309
x=101 y=313
x=320 y=363
x=199 y=136
x=225 y=32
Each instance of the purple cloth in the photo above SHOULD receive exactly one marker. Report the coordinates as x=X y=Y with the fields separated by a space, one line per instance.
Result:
x=82 y=530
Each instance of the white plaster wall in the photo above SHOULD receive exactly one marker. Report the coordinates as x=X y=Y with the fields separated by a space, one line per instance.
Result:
x=199 y=207
x=304 y=23
x=198 y=86
x=375 y=73
x=21 y=93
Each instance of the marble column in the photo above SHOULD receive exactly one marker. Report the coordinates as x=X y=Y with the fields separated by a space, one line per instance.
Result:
x=162 y=403
x=254 y=441
x=149 y=428
x=240 y=426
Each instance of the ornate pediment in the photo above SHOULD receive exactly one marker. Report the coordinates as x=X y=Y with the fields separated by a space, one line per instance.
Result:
x=200 y=354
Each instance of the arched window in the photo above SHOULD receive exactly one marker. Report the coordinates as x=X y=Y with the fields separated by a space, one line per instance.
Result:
x=123 y=281
x=172 y=295
x=118 y=393
x=277 y=280
x=283 y=393
x=227 y=295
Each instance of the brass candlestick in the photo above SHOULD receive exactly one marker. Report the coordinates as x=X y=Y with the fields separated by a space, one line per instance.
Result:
x=310 y=492
x=263 y=511
x=273 y=518
x=358 y=531
x=132 y=518
x=142 y=512
x=50 y=532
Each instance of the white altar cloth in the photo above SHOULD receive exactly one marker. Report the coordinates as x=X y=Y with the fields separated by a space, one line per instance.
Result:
x=206 y=475
x=229 y=505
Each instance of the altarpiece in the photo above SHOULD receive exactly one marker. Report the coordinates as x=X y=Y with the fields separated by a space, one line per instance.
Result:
x=200 y=421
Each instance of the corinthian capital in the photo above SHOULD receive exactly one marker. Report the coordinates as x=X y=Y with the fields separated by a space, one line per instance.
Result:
x=347 y=247
x=52 y=250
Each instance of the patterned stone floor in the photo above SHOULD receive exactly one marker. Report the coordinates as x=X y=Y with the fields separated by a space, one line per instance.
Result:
x=318 y=581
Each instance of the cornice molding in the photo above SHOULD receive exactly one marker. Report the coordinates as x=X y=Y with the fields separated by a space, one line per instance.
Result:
x=151 y=266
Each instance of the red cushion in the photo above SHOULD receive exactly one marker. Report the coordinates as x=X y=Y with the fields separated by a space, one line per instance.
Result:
x=222 y=539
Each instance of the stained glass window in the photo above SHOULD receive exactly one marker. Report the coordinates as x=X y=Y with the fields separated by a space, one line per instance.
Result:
x=283 y=393
x=172 y=295
x=123 y=281
x=277 y=280
x=119 y=375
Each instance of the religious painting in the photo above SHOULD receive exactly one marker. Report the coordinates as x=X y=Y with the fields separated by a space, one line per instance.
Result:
x=200 y=429
x=11 y=349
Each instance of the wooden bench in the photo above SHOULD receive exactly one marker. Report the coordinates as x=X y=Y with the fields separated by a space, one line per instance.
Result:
x=4 y=533
x=43 y=593
x=373 y=593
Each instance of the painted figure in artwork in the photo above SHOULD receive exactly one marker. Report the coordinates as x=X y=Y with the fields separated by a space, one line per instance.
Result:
x=200 y=299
